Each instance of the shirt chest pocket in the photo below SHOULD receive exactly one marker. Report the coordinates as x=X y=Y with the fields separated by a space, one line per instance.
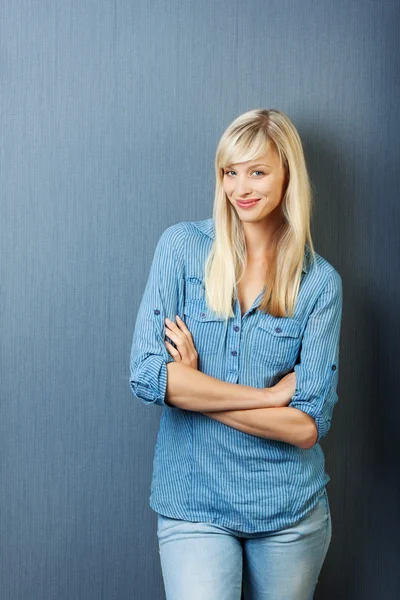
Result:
x=277 y=341
x=206 y=327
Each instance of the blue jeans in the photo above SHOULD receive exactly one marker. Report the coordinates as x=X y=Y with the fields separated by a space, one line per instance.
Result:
x=204 y=561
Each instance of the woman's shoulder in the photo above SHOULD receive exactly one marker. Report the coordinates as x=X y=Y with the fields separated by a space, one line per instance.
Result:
x=185 y=228
x=188 y=242
x=321 y=272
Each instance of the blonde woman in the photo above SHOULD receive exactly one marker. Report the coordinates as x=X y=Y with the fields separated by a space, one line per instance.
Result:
x=237 y=338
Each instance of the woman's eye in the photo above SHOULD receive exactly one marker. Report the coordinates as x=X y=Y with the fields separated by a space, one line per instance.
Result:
x=262 y=172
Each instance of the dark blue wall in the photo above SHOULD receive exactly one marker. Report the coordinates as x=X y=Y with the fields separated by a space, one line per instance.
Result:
x=110 y=116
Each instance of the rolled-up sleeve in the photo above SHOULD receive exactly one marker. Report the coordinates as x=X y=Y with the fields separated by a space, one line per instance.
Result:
x=318 y=370
x=162 y=298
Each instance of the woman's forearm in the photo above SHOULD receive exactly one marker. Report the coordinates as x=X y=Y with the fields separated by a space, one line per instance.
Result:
x=191 y=389
x=284 y=424
x=246 y=408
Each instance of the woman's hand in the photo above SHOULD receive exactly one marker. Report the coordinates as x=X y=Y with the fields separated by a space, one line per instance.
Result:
x=185 y=352
x=281 y=393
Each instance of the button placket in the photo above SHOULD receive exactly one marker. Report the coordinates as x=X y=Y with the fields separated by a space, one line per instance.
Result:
x=234 y=341
x=234 y=352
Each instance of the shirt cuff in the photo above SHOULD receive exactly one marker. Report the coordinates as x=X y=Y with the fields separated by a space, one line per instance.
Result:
x=149 y=383
x=322 y=424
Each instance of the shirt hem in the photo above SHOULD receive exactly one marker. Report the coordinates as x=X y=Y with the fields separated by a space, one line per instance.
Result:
x=179 y=512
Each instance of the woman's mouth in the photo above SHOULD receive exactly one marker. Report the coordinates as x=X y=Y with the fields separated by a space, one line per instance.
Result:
x=247 y=203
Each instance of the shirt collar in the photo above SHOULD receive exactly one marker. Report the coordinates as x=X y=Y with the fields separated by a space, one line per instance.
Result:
x=207 y=227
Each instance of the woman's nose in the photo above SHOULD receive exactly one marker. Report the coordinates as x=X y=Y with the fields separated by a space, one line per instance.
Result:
x=242 y=186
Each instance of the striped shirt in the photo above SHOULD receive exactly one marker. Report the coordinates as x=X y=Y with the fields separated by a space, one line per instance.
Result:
x=204 y=470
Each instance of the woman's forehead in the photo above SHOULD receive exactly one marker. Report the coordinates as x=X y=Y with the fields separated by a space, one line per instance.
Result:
x=269 y=158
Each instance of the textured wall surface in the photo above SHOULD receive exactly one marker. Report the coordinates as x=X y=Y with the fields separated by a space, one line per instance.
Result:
x=111 y=111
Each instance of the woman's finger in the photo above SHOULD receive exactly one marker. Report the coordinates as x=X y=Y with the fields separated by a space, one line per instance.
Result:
x=176 y=336
x=185 y=352
x=173 y=352
x=181 y=329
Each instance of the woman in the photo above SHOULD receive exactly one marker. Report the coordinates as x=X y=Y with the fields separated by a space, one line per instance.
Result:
x=247 y=377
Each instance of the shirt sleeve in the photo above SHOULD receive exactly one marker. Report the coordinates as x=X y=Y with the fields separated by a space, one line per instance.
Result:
x=318 y=371
x=162 y=297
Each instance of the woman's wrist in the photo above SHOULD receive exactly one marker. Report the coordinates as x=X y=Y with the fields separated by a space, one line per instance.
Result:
x=272 y=397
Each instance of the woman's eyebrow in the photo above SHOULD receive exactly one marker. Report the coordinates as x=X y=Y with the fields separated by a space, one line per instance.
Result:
x=253 y=165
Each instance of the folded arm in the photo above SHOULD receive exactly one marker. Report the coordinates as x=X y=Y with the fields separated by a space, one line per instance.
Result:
x=191 y=389
x=242 y=407
x=284 y=424
x=156 y=378
x=307 y=419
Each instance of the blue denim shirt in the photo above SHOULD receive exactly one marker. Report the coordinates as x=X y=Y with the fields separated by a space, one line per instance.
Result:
x=204 y=470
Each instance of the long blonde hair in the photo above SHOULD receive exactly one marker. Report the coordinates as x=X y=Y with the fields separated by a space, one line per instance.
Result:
x=245 y=139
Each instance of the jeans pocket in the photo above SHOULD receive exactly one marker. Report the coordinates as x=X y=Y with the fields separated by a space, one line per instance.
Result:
x=325 y=500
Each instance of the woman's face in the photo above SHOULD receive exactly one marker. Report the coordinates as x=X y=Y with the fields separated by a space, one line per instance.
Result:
x=260 y=180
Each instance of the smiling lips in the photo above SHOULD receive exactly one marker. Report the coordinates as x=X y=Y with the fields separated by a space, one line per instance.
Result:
x=247 y=203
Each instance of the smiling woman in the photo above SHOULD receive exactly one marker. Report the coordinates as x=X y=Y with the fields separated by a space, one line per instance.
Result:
x=246 y=186
x=246 y=378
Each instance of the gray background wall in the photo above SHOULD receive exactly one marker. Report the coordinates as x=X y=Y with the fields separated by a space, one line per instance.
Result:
x=110 y=116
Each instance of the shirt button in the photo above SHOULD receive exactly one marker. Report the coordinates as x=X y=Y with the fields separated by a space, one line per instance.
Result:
x=236 y=328
x=203 y=315
x=233 y=352
x=156 y=311
x=333 y=367
x=278 y=329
